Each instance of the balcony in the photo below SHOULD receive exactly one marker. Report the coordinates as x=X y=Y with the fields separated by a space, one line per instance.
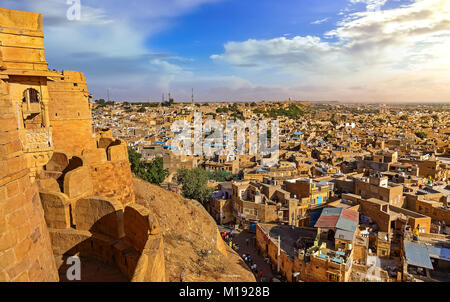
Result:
x=31 y=109
x=36 y=140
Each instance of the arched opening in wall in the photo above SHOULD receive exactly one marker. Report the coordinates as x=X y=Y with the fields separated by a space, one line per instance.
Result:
x=113 y=143
x=34 y=95
x=74 y=163
x=59 y=165
x=31 y=109
x=54 y=169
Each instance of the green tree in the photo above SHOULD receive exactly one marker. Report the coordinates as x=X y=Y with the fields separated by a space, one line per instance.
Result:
x=222 y=110
x=258 y=111
x=421 y=135
x=156 y=172
x=292 y=111
x=221 y=176
x=100 y=102
x=152 y=172
x=168 y=103
x=237 y=115
x=194 y=184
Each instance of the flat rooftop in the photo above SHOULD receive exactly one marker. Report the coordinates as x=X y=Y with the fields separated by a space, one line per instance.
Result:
x=288 y=236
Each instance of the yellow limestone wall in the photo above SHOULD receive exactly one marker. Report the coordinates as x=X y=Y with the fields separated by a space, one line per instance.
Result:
x=70 y=114
x=64 y=125
x=73 y=135
x=25 y=250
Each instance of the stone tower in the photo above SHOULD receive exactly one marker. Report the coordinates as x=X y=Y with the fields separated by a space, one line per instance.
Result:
x=25 y=146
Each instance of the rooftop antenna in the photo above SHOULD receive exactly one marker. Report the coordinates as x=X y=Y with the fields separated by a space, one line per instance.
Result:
x=169 y=96
x=163 y=97
x=192 y=96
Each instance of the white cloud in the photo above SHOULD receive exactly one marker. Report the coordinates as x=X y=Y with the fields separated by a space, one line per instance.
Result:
x=320 y=21
x=390 y=55
x=109 y=43
x=371 y=5
x=376 y=51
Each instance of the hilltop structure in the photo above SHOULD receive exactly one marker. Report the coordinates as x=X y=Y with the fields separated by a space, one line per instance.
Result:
x=65 y=189
x=57 y=169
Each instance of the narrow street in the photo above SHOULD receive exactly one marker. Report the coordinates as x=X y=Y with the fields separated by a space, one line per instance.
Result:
x=250 y=248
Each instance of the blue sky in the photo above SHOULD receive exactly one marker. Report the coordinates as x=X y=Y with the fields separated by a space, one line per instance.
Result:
x=236 y=50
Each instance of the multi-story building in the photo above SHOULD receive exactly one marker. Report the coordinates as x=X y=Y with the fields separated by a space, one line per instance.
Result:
x=379 y=187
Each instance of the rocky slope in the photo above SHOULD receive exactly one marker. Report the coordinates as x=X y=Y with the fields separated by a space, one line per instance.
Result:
x=193 y=248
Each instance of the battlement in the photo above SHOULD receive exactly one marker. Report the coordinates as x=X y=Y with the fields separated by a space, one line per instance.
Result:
x=22 y=47
x=15 y=19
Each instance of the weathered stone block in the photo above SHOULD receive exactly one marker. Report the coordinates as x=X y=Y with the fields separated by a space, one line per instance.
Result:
x=7 y=258
x=56 y=209
x=99 y=214
x=78 y=183
x=138 y=225
x=12 y=189
x=22 y=249
x=7 y=240
x=14 y=220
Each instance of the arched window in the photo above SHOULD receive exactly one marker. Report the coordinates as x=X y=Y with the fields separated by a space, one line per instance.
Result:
x=31 y=95
x=32 y=109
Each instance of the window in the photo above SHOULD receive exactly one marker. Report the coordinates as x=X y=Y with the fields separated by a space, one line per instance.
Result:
x=333 y=277
x=31 y=95
x=34 y=96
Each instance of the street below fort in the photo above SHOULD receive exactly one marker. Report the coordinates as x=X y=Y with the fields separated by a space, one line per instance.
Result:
x=246 y=241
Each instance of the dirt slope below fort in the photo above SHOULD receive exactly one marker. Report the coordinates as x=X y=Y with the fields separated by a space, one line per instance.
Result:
x=193 y=249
